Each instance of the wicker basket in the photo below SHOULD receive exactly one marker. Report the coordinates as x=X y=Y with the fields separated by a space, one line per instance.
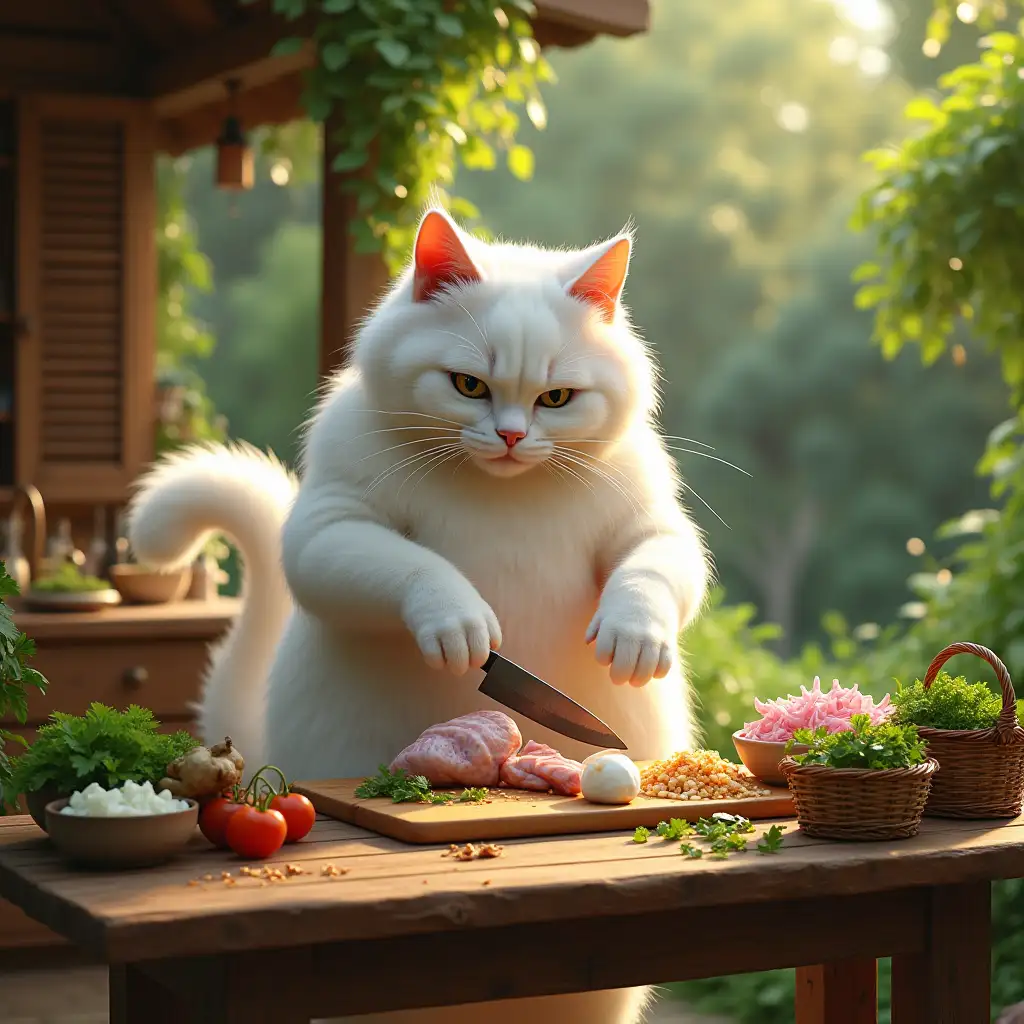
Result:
x=982 y=770
x=859 y=803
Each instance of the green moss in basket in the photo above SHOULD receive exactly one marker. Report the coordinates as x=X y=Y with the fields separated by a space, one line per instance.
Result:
x=103 y=745
x=949 y=703
x=886 y=745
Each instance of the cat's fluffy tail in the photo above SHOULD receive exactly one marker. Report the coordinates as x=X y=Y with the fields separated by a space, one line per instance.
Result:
x=245 y=494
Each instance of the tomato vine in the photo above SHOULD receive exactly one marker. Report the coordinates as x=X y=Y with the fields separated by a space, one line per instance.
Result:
x=418 y=85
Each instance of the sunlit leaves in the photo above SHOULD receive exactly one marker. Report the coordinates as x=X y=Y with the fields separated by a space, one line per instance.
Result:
x=419 y=85
x=948 y=214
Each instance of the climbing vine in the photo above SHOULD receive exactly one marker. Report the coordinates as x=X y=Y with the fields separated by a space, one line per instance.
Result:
x=418 y=85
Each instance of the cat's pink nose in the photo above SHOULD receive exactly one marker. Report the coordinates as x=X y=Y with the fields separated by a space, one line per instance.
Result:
x=511 y=437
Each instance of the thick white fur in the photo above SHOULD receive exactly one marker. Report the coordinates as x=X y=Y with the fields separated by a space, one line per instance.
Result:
x=408 y=543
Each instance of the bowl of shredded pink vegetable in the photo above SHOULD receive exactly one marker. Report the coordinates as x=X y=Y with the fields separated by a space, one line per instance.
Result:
x=762 y=744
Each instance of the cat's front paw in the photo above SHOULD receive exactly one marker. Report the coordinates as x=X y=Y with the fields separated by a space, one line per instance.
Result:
x=454 y=629
x=636 y=646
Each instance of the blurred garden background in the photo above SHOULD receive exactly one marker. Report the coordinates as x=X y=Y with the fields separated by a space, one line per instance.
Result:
x=876 y=409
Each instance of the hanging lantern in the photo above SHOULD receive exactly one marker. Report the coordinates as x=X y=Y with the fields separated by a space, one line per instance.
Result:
x=234 y=157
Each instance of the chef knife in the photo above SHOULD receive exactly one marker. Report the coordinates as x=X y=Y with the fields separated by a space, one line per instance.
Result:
x=522 y=691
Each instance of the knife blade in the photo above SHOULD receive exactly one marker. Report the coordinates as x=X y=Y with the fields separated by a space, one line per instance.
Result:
x=511 y=685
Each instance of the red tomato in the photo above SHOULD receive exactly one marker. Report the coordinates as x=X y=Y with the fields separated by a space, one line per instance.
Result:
x=213 y=819
x=298 y=813
x=255 y=834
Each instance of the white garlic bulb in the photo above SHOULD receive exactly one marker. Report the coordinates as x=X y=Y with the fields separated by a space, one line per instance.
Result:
x=610 y=778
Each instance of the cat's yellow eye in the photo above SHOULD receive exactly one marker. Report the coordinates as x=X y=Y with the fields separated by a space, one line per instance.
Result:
x=470 y=386
x=556 y=398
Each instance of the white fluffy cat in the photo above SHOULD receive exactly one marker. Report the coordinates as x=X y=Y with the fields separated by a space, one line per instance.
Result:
x=484 y=474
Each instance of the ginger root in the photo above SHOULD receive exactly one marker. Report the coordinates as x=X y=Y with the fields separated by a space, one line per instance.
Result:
x=204 y=771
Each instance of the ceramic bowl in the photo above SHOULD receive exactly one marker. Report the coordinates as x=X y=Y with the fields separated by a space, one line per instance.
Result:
x=118 y=843
x=139 y=584
x=762 y=757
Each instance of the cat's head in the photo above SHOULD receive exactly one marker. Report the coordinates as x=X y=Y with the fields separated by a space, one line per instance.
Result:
x=517 y=354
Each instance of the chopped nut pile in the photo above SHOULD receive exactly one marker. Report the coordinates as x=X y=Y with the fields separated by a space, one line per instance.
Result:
x=698 y=775
x=473 y=852
x=270 y=873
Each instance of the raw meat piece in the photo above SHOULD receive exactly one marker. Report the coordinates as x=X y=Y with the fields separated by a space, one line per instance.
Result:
x=467 y=751
x=538 y=766
x=813 y=708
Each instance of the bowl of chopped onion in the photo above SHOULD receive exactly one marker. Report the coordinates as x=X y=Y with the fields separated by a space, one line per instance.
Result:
x=761 y=757
x=130 y=827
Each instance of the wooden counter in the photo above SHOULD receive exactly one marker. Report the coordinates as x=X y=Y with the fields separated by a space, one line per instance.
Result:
x=153 y=655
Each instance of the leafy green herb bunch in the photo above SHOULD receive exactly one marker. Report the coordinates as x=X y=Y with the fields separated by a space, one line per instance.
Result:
x=951 y=702
x=877 y=747
x=104 y=745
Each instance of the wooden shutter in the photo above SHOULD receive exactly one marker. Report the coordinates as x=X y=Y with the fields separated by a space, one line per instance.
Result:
x=87 y=292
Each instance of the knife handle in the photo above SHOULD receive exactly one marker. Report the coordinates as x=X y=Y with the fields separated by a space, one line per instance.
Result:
x=491 y=659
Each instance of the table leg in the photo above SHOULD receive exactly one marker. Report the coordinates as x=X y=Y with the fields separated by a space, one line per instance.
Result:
x=841 y=992
x=136 y=998
x=950 y=982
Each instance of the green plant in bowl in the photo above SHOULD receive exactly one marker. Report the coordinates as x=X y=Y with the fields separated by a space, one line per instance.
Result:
x=951 y=702
x=16 y=676
x=68 y=579
x=104 y=745
x=865 y=746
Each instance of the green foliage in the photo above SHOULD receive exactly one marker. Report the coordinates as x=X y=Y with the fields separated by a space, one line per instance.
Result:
x=948 y=212
x=69 y=579
x=185 y=412
x=864 y=745
x=421 y=83
x=949 y=703
x=16 y=676
x=104 y=745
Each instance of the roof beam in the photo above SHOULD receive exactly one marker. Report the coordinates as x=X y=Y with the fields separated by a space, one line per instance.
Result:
x=194 y=76
x=601 y=17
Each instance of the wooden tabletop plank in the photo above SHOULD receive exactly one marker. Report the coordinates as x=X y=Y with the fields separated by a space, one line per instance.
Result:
x=175 y=620
x=390 y=889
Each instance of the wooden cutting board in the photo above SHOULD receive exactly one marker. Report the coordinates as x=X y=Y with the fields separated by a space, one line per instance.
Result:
x=514 y=814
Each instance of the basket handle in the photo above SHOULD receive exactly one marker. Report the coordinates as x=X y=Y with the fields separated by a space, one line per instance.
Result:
x=1006 y=725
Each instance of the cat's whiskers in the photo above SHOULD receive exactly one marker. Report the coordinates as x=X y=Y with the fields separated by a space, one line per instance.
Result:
x=466 y=343
x=579 y=459
x=437 y=463
x=435 y=459
x=409 y=412
x=687 y=440
x=688 y=488
x=405 y=444
x=412 y=459
x=713 y=458
x=682 y=483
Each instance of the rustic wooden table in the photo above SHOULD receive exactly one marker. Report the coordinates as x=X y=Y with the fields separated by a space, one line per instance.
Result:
x=371 y=924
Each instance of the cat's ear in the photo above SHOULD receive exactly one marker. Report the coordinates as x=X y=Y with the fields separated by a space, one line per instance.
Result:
x=439 y=258
x=601 y=283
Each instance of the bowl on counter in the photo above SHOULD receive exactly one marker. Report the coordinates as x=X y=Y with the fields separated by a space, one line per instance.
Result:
x=761 y=757
x=139 y=584
x=120 y=843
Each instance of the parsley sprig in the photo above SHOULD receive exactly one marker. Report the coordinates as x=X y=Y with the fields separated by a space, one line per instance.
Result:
x=949 y=703
x=886 y=745
x=402 y=787
x=724 y=834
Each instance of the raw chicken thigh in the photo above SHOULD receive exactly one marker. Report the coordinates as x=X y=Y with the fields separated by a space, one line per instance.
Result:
x=540 y=767
x=467 y=751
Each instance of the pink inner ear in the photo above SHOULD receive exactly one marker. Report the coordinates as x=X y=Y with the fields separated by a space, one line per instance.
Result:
x=440 y=259
x=601 y=285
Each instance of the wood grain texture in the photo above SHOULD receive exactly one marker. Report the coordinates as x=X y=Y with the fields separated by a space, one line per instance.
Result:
x=389 y=889
x=840 y=991
x=949 y=982
x=511 y=815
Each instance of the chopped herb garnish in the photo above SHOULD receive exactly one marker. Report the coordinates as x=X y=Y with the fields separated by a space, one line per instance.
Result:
x=676 y=828
x=405 y=788
x=724 y=834
x=771 y=841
